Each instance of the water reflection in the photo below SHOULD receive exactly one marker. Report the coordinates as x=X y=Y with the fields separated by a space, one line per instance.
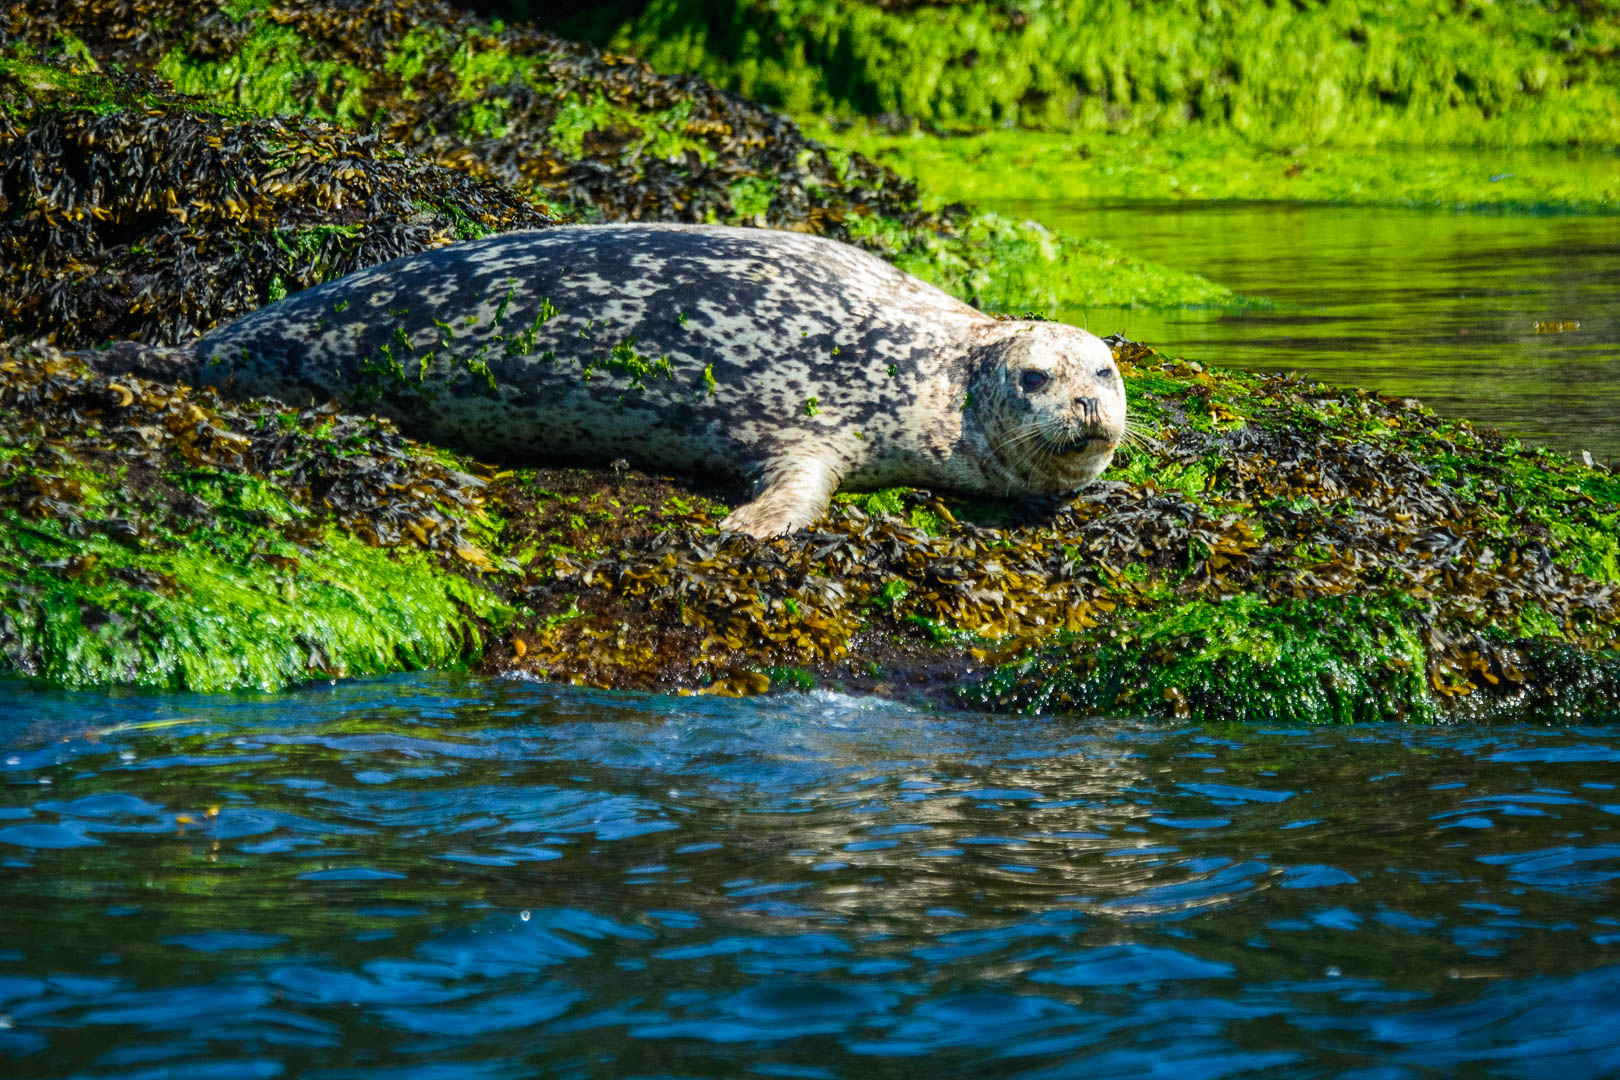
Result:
x=1421 y=304
x=438 y=876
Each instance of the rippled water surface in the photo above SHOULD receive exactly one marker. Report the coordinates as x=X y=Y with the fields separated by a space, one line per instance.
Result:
x=1440 y=306
x=444 y=877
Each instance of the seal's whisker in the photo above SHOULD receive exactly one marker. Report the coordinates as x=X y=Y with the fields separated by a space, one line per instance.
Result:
x=1136 y=437
x=1038 y=431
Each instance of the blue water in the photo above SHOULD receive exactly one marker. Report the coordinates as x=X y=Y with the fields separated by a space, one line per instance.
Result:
x=439 y=876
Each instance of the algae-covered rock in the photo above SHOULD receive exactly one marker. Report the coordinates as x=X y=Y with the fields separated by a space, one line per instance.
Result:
x=130 y=211
x=1272 y=549
x=1353 y=72
x=1266 y=548
x=155 y=535
x=599 y=136
x=604 y=133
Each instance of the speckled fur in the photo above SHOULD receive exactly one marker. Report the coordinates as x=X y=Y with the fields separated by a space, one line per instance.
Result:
x=793 y=361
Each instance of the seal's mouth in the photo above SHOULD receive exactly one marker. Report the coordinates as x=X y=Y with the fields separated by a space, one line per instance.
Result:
x=1080 y=444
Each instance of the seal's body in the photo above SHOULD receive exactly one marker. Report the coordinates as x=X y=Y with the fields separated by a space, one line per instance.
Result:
x=794 y=361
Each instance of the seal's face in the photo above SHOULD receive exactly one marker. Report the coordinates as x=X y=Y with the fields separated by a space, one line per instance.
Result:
x=1051 y=404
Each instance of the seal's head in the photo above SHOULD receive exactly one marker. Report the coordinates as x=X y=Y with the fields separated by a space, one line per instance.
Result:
x=1050 y=402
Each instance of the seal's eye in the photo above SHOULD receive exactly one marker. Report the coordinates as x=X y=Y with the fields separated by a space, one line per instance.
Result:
x=1105 y=372
x=1032 y=381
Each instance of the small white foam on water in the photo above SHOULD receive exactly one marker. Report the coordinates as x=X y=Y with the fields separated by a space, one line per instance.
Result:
x=836 y=701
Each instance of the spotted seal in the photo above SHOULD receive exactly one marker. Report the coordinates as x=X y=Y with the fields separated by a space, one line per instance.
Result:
x=792 y=361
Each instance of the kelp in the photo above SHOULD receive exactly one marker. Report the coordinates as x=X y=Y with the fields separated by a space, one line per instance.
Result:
x=128 y=211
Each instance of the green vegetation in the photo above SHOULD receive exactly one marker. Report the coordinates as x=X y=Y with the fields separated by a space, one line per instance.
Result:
x=606 y=141
x=998 y=167
x=1312 y=661
x=135 y=212
x=1352 y=74
x=218 y=609
x=1393 y=105
x=154 y=536
x=262 y=75
x=1005 y=265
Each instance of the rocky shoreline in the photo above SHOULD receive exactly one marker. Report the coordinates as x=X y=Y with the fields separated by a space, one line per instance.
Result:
x=1280 y=551
x=1287 y=552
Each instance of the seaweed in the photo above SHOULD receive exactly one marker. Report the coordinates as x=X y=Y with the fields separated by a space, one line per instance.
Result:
x=1361 y=73
x=1269 y=548
x=586 y=134
x=128 y=211
x=156 y=535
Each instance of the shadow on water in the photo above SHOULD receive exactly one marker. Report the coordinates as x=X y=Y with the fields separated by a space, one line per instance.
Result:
x=440 y=876
x=1437 y=306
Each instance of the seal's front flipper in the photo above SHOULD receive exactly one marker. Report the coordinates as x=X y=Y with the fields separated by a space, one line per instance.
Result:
x=793 y=493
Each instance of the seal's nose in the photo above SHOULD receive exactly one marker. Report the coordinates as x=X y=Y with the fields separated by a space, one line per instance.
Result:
x=1089 y=408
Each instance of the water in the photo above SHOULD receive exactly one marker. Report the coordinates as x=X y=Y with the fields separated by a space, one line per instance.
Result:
x=1438 y=306
x=438 y=876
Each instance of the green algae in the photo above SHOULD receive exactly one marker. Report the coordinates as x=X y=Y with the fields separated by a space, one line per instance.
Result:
x=82 y=87
x=1351 y=74
x=225 y=610
x=1002 y=167
x=1242 y=659
x=899 y=503
x=1004 y=264
x=270 y=75
x=152 y=536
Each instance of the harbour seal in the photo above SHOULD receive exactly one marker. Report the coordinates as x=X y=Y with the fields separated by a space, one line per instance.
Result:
x=792 y=361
